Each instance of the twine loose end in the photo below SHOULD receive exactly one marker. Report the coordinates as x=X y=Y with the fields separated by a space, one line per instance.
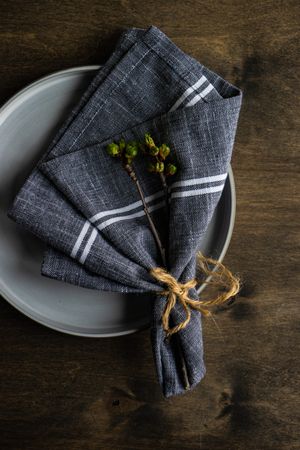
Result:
x=220 y=276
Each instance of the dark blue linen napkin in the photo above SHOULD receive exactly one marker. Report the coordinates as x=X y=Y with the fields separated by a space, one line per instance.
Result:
x=80 y=201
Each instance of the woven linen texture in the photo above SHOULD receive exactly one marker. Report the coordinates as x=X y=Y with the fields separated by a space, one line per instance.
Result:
x=85 y=207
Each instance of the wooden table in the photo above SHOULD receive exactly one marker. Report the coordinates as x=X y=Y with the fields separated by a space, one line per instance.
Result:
x=63 y=392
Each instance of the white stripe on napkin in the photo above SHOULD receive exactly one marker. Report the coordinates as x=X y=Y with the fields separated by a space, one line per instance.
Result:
x=198 y=97
x=88 y=246
x=108 y=222
x=129 y=216
x=80 y=239
x=180 y=194
x=137 y=204
x=188 y=92
x=126 y=208
x=202 y=180
x=194 y=192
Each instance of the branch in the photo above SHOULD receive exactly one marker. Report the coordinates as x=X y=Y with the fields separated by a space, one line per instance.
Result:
x=129 y=169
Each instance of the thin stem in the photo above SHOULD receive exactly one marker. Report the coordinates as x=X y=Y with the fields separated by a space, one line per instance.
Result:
x=166 y=191
x=129 y=169
x=184 y=372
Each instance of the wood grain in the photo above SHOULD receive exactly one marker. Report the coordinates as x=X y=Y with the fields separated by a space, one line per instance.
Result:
x=62 y=392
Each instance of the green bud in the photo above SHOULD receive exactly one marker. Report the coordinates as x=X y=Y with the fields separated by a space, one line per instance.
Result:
x=131 y=150
x=113 y=149
x=149 y=141
x=159 y=167
x=164 y=151
x=122 y=144
x=153 y=151
x=171 y=169
x=156 y=167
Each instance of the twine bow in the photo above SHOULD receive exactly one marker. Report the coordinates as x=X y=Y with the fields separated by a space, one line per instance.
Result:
x=176 y=290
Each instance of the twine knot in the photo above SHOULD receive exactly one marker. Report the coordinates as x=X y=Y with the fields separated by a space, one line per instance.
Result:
x=220 y=277
x=176 y=290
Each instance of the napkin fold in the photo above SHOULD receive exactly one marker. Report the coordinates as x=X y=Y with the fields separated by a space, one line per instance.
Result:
x=83 y=204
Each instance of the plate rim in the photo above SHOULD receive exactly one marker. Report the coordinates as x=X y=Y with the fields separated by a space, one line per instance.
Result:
x=10 y=297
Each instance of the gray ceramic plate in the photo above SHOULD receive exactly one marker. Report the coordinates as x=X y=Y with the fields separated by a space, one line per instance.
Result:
x=27 y=123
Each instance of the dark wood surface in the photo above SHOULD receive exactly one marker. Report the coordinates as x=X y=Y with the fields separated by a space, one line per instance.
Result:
x=63 y=392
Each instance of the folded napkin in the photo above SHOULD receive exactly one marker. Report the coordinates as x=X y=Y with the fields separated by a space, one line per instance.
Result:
x=82 y=203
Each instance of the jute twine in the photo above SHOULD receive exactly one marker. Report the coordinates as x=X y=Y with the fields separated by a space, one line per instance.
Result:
x=219 y=276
